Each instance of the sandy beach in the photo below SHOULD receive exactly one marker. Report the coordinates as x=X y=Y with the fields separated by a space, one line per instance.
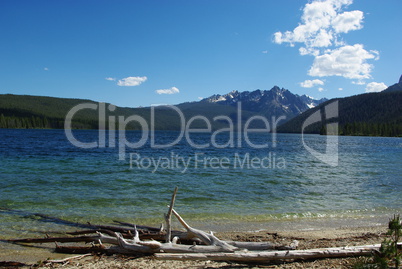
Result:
x=308 y=238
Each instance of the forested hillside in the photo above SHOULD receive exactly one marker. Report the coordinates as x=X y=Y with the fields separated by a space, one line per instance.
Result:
x=372 y=114
x=24 y=111
x=375 y=114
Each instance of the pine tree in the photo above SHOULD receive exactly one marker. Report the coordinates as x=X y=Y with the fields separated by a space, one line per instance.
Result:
x=3 y=123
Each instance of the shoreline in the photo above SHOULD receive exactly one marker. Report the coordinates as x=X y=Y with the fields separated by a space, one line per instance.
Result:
x=292 y=224
x=310 y=233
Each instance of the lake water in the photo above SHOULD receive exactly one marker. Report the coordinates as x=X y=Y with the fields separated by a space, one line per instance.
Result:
x=242 y=186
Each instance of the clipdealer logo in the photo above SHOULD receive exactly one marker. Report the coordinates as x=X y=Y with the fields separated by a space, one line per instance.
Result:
x=117 y=137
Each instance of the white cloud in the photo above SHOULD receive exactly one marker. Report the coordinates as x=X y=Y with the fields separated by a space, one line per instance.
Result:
x=46 y=69
x=308 y=51
x=319 y=32
x=131 y=81
x=359 y=82
x=321 y=24
x=348 y=21
x=376 y=54
x=347 y=61
x=264 y=51
x=110 y=79
x=375 y=87
x=340 y=89
x=311 y=83
x=320 y=89
x=172 y=90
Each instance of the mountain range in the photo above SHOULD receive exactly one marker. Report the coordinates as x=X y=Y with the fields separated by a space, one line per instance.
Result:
x=24 y=111
x=275 y=102
x=358 y=115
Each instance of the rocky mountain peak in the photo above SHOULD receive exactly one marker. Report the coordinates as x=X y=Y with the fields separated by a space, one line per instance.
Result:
x=276 y=89
x=276 y=101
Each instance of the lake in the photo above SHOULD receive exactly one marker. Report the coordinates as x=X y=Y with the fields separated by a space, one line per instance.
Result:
x=222 y=185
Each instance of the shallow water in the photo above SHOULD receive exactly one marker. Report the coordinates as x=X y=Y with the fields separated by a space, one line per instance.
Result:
x=240 y=186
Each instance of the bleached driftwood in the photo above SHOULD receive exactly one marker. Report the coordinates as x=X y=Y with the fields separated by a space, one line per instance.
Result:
x=134 y=241
x=168 y=217
x=263 y=245
x=141 y=241
x=268 y=256
x=208 y=239
x=213 y=244
x=179 y=235
x=128 y=246
x=102 y=238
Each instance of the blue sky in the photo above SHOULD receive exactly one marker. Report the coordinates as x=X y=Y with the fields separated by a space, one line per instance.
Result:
x=138 y=53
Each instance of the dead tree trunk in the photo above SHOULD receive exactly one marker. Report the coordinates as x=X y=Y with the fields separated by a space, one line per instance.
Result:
x=267 y=256
x=168 y=218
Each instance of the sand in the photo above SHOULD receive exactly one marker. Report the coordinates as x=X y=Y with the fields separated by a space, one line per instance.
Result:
x=308 y=238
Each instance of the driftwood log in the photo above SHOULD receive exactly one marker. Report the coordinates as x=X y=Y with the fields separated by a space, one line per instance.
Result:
x=268 y=256
x=168 y=218
x=134 y=241
x=193 y=244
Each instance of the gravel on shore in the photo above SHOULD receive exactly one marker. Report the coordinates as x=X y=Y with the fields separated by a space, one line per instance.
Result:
x=308 y=239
